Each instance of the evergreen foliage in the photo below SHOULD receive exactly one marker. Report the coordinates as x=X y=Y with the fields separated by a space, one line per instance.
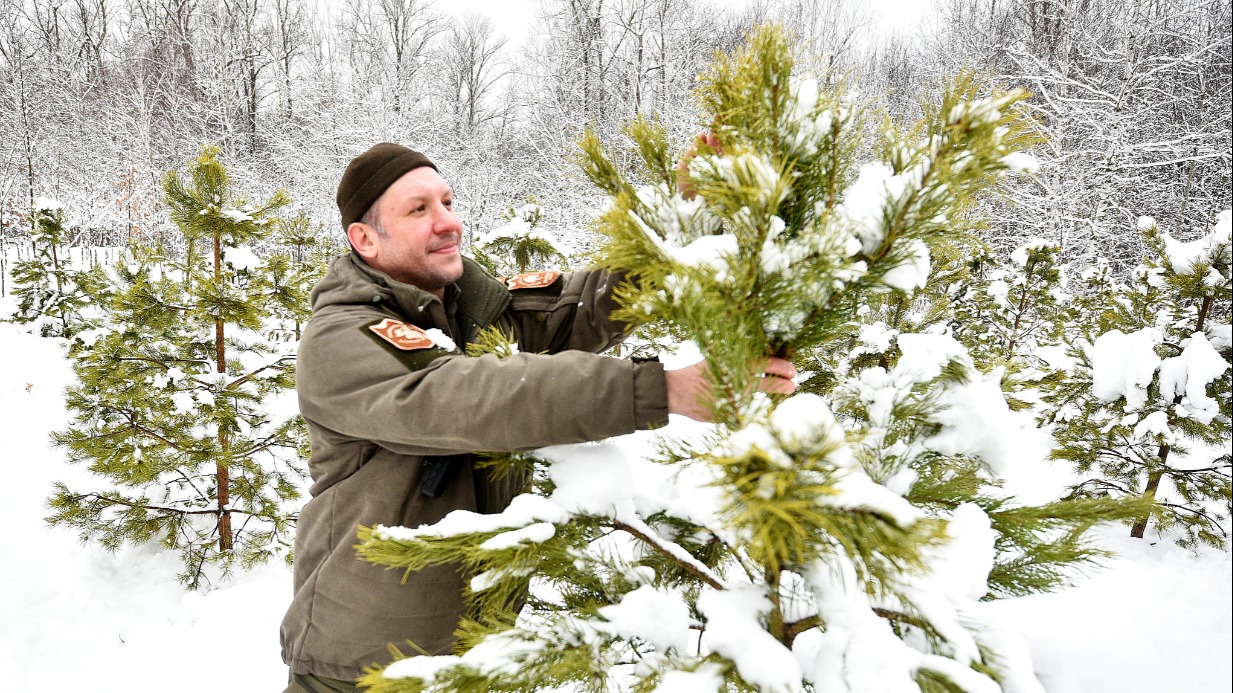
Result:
x=1145 y=412
x=177 y=409
x=50 y=292
x=302 y=250
x=519 y=245
x=803 y=544
x=1002 y=314
x=1005 y=315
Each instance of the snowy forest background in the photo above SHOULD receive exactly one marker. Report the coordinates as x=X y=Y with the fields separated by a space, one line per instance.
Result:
x=100 y=98
x=1130 y=115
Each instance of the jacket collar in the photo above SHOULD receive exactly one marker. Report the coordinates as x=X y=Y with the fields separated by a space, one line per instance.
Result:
x=477 y=297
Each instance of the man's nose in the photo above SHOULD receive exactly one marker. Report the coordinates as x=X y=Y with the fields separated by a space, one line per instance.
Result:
x=446 y=221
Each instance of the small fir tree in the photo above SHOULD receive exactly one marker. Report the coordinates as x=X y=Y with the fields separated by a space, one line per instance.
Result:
x=801 y=545
x=1005 y=316
x=299 y=257
x=178 y=407
x=519 y=245
x=51 y=293
x=1146 y=409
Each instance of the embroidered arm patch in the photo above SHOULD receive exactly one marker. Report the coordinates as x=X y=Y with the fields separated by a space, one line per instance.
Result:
x=405 y=336
x=414 y=347
x=533 y=280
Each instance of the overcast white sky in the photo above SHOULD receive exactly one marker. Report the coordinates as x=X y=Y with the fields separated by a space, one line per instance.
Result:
x=513 y=17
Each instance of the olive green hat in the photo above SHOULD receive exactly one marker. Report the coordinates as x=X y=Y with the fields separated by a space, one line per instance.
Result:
x=369 y=174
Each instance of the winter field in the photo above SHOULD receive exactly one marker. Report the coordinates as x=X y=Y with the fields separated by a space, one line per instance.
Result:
x=1154 y=618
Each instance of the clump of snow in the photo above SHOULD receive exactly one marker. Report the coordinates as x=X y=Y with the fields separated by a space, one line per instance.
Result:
x=913 y=272
x=707 y=251
x=865 y=201
x=240 y=216
x=977 y=421
x=536 y=533
x=707 y=678
x=743 y=171
x=183 y=402
x=440 y=339
x=679 y=220
x=1212 y=248
x=734 y=630
x=47 y=204
x=1123 y=365
x=959 y=569
x=658 y=617
x=1020 y=255
x=925 y=355
x=875 y=338
x=589 y=478
x=242 y=258
x=1021 y=162
x=804 y=424
x=1189 y=374
x=524 y=510
x=1153 y=425
x=804 y=128
x=857 y=651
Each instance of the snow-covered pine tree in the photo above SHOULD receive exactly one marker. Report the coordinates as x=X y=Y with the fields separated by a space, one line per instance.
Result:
x=300 y=256
x=519 y=245
x=1005 y=316
x=1146 y=409
x=177 y=408
x=50 y=292
x=784 y=550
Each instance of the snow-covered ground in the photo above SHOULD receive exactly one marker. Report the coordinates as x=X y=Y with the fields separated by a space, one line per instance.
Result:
x=72 y=617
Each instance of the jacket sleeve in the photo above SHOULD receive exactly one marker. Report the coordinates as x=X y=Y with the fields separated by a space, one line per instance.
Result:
x=576 y=316
x=455 y=404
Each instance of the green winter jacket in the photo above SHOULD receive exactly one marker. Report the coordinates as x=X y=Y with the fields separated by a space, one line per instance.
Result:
x=376 y=405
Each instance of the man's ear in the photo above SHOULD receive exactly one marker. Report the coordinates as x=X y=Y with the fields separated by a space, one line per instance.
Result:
x=363 y=239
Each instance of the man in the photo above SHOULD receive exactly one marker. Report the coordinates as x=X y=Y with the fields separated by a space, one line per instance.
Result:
x=393 y=407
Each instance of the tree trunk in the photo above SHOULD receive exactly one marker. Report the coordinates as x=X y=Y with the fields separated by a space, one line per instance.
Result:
x=225 y=539
x=1149 y=493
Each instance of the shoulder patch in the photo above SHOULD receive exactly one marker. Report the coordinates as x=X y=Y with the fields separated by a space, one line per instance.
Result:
x=533 y=280
x=402 y=335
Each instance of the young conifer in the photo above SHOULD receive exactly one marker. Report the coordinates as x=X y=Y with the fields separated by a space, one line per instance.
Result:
x=519 y=245
x=1146 y=410
x=298 y=257
x=1005 y=315
x=802 y=544
x=51 y=293
x=177 y=408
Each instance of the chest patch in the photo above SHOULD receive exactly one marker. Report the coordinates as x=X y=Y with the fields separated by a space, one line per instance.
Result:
x=532 y=280
x=404 y=336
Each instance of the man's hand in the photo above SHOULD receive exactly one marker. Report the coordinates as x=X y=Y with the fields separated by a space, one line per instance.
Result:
x=689 y=392
x=682 y=168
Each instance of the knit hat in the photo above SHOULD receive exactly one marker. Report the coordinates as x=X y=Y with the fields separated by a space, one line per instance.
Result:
x=370 y=174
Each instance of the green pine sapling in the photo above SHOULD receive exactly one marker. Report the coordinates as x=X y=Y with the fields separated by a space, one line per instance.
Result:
x=782 y=550
x=50 y=292
x=178 y=407
x=1145 y=412
x=519 y=245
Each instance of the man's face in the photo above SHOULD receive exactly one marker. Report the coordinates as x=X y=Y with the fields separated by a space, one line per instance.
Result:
x=422 y=237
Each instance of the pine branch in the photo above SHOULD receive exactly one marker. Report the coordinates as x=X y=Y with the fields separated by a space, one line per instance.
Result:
x=277 y=364
x=114 y=500
x=689 y=564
